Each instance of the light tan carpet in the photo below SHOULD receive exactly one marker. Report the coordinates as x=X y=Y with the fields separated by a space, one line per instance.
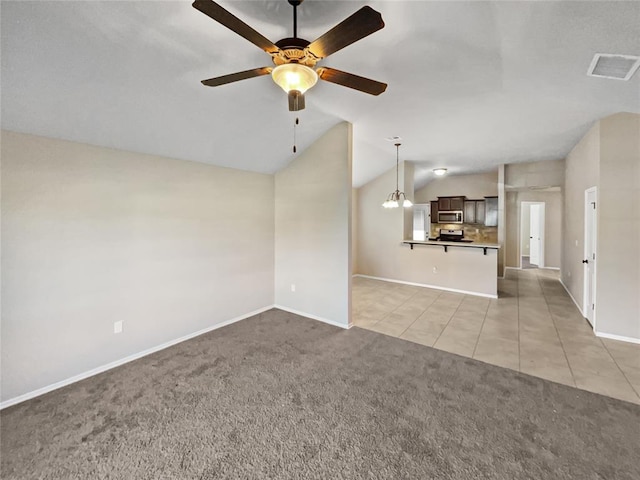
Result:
x=280 y=396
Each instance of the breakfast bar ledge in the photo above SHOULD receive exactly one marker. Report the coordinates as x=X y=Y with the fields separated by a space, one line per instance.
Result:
x=445 y=245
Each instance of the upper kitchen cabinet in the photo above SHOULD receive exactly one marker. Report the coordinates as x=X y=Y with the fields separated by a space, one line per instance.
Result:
x=450 y=203
x=434 y=211
x=491 y=211
x=474 y=212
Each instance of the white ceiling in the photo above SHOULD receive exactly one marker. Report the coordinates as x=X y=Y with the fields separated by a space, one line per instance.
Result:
x=471 y=84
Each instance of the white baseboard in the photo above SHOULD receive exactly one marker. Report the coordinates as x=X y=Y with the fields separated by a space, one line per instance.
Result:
x=621 y=338
x=436 y=287
x=313 y=317
x=571 y=296
x=540 y=268
x=122 y=361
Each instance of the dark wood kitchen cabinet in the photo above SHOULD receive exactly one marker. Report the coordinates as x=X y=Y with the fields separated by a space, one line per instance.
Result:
x=450 y=203
x=480 y=212
x=434 y=211
x=491 y=211
x=474 y=212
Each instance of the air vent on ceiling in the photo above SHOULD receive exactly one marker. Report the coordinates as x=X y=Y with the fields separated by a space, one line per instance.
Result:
x=616 y=67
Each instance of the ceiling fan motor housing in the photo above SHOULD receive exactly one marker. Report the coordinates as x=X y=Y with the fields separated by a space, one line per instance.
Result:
x=294 y=50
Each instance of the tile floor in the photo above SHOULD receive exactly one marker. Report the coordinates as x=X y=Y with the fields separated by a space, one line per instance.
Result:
x=533 y=327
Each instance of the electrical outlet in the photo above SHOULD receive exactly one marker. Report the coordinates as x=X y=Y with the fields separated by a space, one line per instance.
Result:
x=569 y=274
x=435 y=269
x=117 y=327
x=576 y=243
x=293 y=287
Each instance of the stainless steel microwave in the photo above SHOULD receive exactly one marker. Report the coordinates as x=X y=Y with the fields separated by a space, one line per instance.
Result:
x=452 y=216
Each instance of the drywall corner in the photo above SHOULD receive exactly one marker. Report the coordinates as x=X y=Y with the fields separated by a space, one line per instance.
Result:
x=313 y=229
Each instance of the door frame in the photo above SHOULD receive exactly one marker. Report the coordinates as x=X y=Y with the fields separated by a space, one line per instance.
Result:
x=588 y=211
x=541 y=263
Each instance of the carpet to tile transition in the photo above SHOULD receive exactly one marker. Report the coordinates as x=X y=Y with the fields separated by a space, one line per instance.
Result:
x=281 y=396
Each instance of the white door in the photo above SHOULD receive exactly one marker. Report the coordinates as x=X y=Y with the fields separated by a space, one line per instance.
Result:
x=421 y=221
x=534 y=235
x=589 y=261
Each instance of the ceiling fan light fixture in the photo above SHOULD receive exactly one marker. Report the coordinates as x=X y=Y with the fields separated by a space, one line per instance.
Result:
x=439 y=171
x=294 y=76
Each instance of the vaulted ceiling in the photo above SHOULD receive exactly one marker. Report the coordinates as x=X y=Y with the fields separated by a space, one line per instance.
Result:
x=471 y=84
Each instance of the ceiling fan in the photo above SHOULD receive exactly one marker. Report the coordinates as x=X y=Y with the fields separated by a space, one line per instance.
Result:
x=295 y=58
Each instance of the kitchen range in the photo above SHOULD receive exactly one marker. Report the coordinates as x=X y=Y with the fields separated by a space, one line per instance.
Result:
x=447 y=235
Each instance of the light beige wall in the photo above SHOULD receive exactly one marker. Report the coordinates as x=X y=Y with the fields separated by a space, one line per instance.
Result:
x=380 y=230
x=382 y=254
x=581 y=172
x=313 y=229
x=523 y=182
x=476 y=186
x=354 y=229
x=525 y=228
x=618 y=249
x=502 y=219
x=607 y=157
x=534 y=174
x=92 y=236
x=407 y=188
x=552 y=226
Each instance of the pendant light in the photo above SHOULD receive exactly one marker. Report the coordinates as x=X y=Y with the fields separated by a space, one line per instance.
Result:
x=393 y=200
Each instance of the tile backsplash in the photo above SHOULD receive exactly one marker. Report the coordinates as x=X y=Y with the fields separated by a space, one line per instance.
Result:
x=477 y=233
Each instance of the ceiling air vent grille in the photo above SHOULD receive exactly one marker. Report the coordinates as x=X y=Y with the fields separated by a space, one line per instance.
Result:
x=616 y=67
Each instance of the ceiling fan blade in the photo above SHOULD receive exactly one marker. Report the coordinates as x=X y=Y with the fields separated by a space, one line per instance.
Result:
x=234 y=77
x=362 y=23
x=350 y=80
x=220 y=15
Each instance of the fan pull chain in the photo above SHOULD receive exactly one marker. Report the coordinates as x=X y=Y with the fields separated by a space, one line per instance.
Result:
x=294 y=134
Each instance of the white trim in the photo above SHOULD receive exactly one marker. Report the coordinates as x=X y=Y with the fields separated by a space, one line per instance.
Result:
x=550 y=268
x=571 y=296
x=122 y=361
x=455 y=290
x=512 y=268
x=313 y=317
x=621 y=338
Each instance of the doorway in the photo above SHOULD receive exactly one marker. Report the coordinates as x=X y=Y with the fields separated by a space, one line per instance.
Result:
x=532 y=215
x=590 y=241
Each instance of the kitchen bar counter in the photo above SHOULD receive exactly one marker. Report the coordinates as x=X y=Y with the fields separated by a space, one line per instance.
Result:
x=467 y=268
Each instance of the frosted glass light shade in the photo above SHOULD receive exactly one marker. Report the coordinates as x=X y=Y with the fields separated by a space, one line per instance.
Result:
x=293 y=76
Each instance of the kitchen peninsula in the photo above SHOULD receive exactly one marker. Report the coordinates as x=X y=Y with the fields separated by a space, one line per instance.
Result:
x=455 y=242
x=460 y=267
